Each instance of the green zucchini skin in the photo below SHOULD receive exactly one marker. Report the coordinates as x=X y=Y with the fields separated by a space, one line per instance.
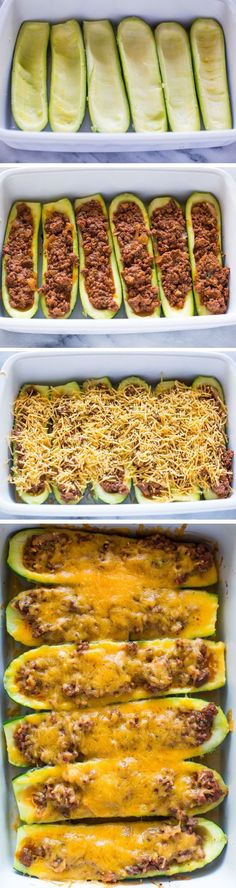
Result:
x=132 y=198
x=88 y=307
x=68 y=78
x=178 y=83
x=107 y=102
x=195 y=198
x=35 y=209
x=142 y=77
x=212 y=120
x=70 y=388
x=29 y=77
x=37 y=498
x=168 y=310
x=199 y=382
x=63 y=206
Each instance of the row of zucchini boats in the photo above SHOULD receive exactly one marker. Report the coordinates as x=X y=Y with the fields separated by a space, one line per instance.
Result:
x=169 y=77
x=163 y=257
x=109 y=741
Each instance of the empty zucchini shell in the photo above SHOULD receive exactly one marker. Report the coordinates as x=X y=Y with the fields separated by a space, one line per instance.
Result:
x=174 y=55
x=29 y=77
x=208 y=52
x=108 y=106
x=142 y=75
x=68 y=78
x=60 y=259
x=23 y=216
x=99 y=281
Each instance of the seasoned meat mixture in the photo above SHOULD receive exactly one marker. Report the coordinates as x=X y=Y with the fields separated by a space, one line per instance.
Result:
x=98 y=276
x=21 y=279
x=137 y=262
x=61 y=263
x=170 y=241
x=212 y=280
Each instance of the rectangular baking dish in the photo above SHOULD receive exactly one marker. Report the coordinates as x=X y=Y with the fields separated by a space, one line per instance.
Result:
x=222 y=871
x=45 y=182
x=58 y=366
x=14 y=12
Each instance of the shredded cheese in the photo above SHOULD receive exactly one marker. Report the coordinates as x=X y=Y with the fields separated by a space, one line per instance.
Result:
x=30 y=440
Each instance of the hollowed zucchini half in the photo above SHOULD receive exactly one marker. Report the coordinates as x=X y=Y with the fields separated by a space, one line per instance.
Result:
x=114 y=206
x=35 y=210
x=173 y=49
x=208 y=52
x=142 y=75
x=68 y=78
x=70 y=389
x=196 y=198
x=29 y=77
x=209 y=382
x=168 y=310
x=88 y=306
x=37 y=498
x=107 y=102
x=120 y=848
x=64 y=207
x=53 y=681
x=163 y=724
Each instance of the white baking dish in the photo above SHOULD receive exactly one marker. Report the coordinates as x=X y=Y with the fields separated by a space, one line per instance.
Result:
x=223 y=870
x=45 y=182
x=59 y=366
x=14 y=12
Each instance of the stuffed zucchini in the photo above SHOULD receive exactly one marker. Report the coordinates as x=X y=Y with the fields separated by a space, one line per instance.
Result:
x=99 y=281
x=173 y=49
x=133 y=247
x=60 y=260
x=118 y=850
x=31 y=444
x=70 y=675
x=142 y=75
x=68 y=78
x=20 y=260
x=169 y=235
x=210 y=278
x=68 y=487
x=29 y=77
x=108 y=106
x=114 y=485
x=208 y=52
x=211 y=388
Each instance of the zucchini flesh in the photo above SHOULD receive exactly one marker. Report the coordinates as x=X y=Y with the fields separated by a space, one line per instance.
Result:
x=96 y=254
x=21 y=213
x=108 y=106
x=59 y=282
x=68 y=78
x=130 y=229
x=210 y=280
x=142 y=75
x=29 y=77
x=209 y=382
x=208 y=52
x=39 y=490
x=173 y=253
x=187 y=726
x=63 y=398
x=173 y=49
x=67 y=676
x=126 y=850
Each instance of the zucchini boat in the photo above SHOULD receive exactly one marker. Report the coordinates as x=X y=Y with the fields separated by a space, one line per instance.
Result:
x=20 y=260
x=210 y=278
x=108 y=106
x=182 y=726
x=173 y=49
x=99 y=281
x=169 y=235
x=121 y=850
x=67 y=488
x=115 y=486
x=29 y=77
x=142 y=75
x=133 y=247
x=126 y=787
x=63 y=555
x=211 y=385
x=68 y=78
x=70 y=675
x=60 y=260
x=31 y=452
x=208 y=52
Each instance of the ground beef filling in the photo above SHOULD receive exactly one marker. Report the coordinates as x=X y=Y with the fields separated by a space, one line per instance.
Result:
x=21 y=279
x=116 y=483
x=132 y=236
x=170 y=240
x=61 y=261
x=98 y=276
x=212 y=280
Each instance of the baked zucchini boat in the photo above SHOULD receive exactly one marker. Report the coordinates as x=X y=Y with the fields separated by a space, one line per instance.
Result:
x=126 y=787
x=66 y=676
x=210 y=278
x=20 y=260
x=169 y=236
x=211 y=388
x=114 y=851
x=31 y=444
x=108 y=106
x=60 y=259
x=208 y=52
x=186 y=726
x=68 y=78
x=29 y=77
x=67 y=486
x=173 y=49
x=133 y=247
x=99 y=281
x=62 y=555
x=142 y=75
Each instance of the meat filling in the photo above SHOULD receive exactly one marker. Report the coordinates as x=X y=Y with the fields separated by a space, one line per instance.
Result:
x=93 y=227
x=212 y=280
x=61 y=261
x=21 y=279
x=170 y=240
x=132 y=236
